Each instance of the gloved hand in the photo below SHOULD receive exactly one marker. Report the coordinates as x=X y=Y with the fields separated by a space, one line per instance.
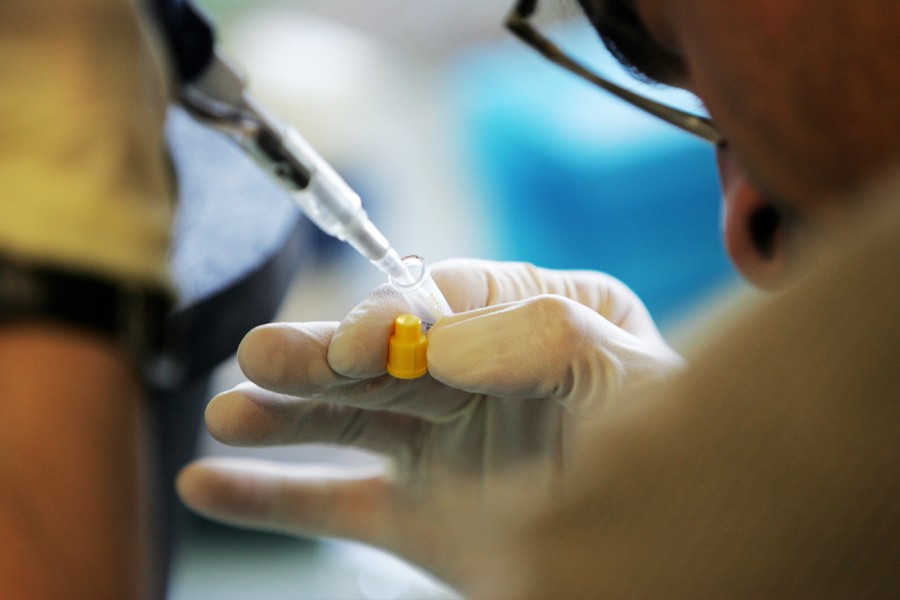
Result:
x=528 y=356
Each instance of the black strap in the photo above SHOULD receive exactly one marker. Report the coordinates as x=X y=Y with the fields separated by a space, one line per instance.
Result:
x=132 y=315
x=189 y=35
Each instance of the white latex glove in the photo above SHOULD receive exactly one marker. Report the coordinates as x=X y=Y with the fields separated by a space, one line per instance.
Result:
x=529 y=354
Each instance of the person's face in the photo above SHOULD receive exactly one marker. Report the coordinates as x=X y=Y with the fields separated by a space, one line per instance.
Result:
x=805 y=93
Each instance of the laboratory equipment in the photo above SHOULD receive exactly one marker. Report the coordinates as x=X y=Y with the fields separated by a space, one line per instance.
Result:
x=407 y=348
x=219 y=96
x=421 y=291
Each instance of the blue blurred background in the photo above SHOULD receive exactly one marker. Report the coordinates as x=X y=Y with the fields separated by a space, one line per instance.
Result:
x=572 y=177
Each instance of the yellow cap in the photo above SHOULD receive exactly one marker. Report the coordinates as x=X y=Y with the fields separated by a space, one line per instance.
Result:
x=406 y=349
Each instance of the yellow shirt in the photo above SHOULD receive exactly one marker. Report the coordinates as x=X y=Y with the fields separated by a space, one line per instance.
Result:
x=84 y=178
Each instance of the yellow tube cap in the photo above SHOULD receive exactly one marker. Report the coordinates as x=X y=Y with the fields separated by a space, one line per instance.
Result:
x=406 y=349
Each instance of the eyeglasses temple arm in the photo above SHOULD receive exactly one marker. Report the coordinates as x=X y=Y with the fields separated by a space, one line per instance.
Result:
x=694 y=124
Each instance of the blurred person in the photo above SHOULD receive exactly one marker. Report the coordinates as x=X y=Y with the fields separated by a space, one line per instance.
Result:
x=101 y=369
x=87 y=203
x=558 y=446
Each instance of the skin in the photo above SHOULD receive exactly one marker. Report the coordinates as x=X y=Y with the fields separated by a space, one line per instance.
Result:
x=70 y=507
x=85 y=123
x=806 y=119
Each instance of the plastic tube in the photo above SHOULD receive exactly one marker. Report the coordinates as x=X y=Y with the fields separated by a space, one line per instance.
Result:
x=422 y=294
x=407 y=348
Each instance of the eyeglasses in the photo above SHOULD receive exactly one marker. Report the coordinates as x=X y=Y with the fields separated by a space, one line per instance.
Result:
x=517 y=21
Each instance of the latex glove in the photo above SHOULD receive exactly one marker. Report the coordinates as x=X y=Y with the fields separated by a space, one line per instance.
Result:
x=529 y=354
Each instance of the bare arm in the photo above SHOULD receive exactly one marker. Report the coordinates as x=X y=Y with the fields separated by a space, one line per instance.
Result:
x=84 y=189
x=70 y=514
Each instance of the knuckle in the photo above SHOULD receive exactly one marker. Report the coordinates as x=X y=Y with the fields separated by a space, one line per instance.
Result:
x=556 y=316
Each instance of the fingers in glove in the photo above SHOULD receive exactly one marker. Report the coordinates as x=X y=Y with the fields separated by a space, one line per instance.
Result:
x=291 y=358
x=346 y=502
x=473 y=284
x=359 y=346
x=433 y=529
x=548 y=346
x=519 y=349
x=251 y=416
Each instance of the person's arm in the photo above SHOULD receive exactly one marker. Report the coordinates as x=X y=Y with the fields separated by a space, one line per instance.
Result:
x=70 y=505
x=84 y=191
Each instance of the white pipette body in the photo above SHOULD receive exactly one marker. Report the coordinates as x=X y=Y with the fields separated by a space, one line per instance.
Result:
x=336 y=209
x=422 y=293
x=220 y=97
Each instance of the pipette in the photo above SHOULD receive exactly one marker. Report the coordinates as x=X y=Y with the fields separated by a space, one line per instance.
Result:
x=421 y=292
x=220 y=98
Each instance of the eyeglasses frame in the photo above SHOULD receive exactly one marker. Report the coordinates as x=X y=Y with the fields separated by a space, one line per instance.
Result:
x=517 y=22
